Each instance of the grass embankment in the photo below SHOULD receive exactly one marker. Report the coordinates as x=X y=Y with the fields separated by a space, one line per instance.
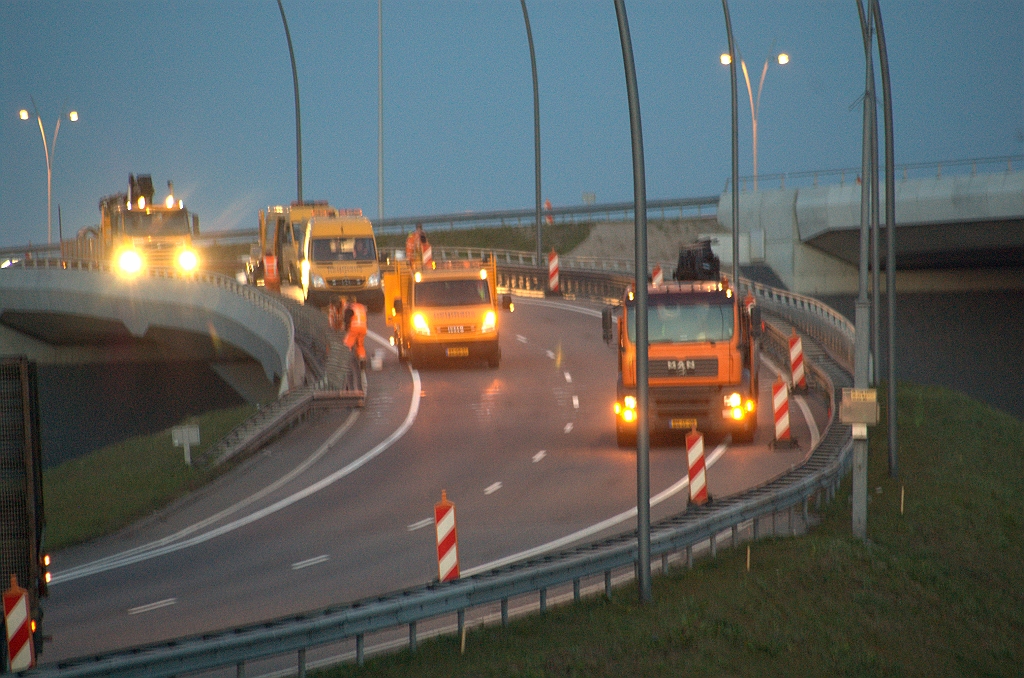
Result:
x=562 y=237
x=99 y=493
x=937 y=590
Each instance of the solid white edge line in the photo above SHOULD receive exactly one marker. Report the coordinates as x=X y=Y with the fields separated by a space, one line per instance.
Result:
x=715 y=455
x=166 y=602
x=121 y=561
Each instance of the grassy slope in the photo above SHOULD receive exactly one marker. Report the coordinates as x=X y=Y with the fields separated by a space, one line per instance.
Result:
x=102 y=492
x=938 y=591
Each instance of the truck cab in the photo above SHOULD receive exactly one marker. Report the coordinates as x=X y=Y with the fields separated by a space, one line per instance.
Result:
x=442 y=313
x=703 y=361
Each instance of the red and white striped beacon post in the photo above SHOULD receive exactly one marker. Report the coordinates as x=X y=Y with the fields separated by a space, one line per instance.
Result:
x=698 y=477
x=20 y=650
x=553 y=271
x=428 y=256
x=780 y=405
x=796 y=362
x=657 y=276
x=447 y=539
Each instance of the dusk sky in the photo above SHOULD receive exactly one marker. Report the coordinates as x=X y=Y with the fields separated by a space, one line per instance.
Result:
x=200 y=93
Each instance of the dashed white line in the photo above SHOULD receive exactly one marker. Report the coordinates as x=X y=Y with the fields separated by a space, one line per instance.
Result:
x=576 y=402
x=551 y=354
x=540 y=455
x=521 y=339
x=568 y=427
x=310 y=562
x=568 y=377
x=167 y=602
x=419 y=525
x=491 y=489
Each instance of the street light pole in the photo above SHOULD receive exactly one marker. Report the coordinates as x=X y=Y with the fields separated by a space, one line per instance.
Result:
x=536 y=125
x=755 y=104
x=298 y=115
x=50 y=150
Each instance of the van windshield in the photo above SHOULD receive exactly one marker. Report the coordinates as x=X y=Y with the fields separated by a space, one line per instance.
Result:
x=343 y=249
x=671 y=323
x=453 y=293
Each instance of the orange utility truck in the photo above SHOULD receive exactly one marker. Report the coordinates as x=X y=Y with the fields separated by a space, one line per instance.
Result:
x=445 y=312
x=703 y=355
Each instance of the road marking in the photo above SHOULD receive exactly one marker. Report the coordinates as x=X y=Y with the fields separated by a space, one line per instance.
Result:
x=167 y=602
x=568 y=427
x=568 y=377
x=419 y=525
x=540 y=455
x=575 y=402
x=629 y=514
x=311 y=561
x=559 y=305
x=176 y=543
x=521 y=339
x=551 y=354
x=491 y=489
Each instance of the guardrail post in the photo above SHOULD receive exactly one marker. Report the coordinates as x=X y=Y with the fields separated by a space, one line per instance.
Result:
x=664 y=563
x=608 y=584
x=461 y=616
x=302 y=662
x=714 y=545
x=689 y=557
x=543 y=601
x=792 y=528
x=576 y=590
x=735 y=535
x=240 y=670
x=504 y=612
x=360 y=658
x=757 y=530
x=412 y=637
x=806 y=501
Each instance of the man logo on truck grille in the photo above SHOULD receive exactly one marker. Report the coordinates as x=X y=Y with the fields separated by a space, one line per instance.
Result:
x=682 y=367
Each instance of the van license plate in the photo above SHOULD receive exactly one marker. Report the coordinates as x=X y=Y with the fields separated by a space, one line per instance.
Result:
x=681 y=424
x=457 y=352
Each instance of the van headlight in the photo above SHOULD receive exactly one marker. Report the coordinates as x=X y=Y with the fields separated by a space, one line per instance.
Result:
x=316 y=280
x=419 y=324
x=373 y=280
x=490 y=322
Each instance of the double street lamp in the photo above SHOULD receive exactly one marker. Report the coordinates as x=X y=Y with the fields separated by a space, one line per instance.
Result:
x=755 y=104
x=50 y=150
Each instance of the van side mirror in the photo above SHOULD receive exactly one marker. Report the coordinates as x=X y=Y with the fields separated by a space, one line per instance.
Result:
x=398 y=306
x=506 y=302
x=606 y=324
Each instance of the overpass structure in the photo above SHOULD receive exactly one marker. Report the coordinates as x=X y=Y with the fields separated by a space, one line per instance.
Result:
x=809 y=236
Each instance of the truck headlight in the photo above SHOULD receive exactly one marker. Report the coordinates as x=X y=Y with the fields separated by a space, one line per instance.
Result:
x=188 y=260
x=316 y=280
x=733 y=400
x=129 y=262
x=419 y=324
x=373 y=280
x=490 y=322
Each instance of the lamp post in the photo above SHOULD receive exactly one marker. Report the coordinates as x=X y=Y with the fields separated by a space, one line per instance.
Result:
x=755 y=104
x=49 y=150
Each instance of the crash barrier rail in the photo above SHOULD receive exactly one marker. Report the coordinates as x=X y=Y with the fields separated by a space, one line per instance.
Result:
x=918 y=170
x=818 y=477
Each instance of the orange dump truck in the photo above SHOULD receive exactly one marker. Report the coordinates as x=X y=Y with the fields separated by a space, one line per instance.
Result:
x=703 y=358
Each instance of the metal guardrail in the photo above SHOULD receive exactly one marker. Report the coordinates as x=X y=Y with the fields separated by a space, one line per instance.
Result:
x=819 y=475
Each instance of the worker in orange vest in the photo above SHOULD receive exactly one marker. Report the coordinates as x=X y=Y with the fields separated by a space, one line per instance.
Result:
x=414 y=246
x=355 y=322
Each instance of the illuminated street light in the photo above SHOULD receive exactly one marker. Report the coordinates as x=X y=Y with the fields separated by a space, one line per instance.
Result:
x=755 y=104
x=50 y=151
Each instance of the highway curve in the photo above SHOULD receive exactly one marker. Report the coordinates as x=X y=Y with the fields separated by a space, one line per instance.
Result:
x=340 y=508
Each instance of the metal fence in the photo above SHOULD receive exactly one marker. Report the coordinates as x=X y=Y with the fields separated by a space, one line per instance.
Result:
x=817 y=478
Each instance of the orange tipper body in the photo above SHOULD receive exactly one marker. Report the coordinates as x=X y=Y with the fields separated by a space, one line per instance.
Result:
x=446 y=312
x=702 y=362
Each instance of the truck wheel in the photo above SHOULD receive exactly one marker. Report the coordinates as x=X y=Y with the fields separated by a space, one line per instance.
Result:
x=494 y=359
x=745 y=436
x=625 y=439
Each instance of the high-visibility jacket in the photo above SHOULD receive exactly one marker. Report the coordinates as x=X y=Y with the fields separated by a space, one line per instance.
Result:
x=358 y=321
x=414 y=247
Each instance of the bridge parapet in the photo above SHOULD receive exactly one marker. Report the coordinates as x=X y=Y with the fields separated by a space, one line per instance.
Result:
x=205 y=304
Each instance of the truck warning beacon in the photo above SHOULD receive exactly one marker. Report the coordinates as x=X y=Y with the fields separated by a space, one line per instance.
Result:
x=703 y=354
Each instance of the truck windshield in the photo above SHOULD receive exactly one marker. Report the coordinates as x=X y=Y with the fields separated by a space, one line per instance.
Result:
x=156 y=223
x=452 y=293
x=343 y=249
x=672 y=323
